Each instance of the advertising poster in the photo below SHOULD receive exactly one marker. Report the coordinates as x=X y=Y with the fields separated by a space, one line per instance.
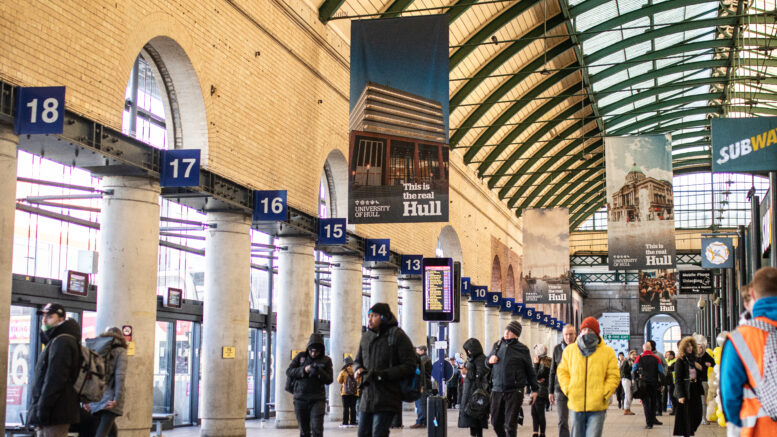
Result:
x=717 y=253
x=744 y=144
x=615 y=329
x=398 y=153
x=640 y=202
x=546 y=256
x=658 y=291
x=696 y=282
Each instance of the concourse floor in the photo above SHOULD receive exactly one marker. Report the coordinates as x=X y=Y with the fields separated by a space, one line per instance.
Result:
x=615 y=425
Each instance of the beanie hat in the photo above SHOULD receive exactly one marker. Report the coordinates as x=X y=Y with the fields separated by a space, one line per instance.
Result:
x=515 y=328
x=381 y=308
x=540 y=350
x=590 y=323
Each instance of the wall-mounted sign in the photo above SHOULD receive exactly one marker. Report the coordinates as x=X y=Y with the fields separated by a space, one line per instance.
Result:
x=228 y=352
x=331 y=231
x=174 y=298
x=717 y=253
x=494 y=299
x=546 y=320
x=507 y=304
x=131 y=348
x=538 y=316
x=76 y=283
x=438 y=288
x=559 y=325
x=126 y=331
x=40 y=110
x=411 y=265
x=658 y=291
x=479 y=293
x=744 y=144
x=378 y=249
x=528 y=313
x=696 y=282
x=552 y=322
x=466 y=285
x=518 y=308
x=180 y=168
x=270 y=205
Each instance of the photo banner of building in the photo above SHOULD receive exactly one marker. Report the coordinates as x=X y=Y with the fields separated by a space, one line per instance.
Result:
x=398 y=151
x=744 y=144
x=658 y=291
x=546 y=256
x=640 y=202
x=616 y=328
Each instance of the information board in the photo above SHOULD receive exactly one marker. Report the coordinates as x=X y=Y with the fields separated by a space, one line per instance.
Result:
x=696 y=282
x=438 y=289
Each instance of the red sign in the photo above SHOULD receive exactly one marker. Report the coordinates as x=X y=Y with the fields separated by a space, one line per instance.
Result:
x=13 y=395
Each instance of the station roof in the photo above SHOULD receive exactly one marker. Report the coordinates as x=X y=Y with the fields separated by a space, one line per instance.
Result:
x=536 y=84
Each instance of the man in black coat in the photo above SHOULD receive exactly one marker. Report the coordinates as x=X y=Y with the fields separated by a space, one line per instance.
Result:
x=511 y=371
x=420 y=404
x=54 y=401
x=385 y=357
x=555 y=393
x=648 y=367
x=312 y=372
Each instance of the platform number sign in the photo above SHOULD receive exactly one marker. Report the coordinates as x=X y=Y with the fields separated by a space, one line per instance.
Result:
x=466 y=285
x=559 y=324
x=40 y=110
x=528 y=313
x=553 y=321
x=538 y=316
x=479 y=293
x=269 y=206
x=412 y=265
x=377 y=249
x=494 y=299
x=518 y=308
x=180 y=168
x=331 y=231
x=546 y=320
x=507 y=304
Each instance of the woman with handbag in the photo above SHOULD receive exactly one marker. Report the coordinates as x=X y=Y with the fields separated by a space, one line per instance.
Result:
x=475 y=393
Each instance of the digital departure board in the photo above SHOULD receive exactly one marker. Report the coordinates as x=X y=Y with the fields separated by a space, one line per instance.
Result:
x=439 y=291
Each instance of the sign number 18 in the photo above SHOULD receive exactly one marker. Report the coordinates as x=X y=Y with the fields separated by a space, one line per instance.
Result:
x=49 y=114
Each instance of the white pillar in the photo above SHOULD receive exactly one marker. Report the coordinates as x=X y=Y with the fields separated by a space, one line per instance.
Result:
x=225 y=324
x=459 y=331
x=129 y=248
x=412 y=311
x=346 y=322
x=504 y=319
x=477 y=320
x=295 y=298
x=8 y=143
x=383 y=288
x=533 y=334
x=492 y=326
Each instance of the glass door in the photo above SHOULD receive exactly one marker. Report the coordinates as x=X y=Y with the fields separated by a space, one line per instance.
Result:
x=185 y=353
x=164 y=338
x=22 y=338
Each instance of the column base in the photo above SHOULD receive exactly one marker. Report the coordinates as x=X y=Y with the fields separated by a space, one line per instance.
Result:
x=285 y=419
x=223 y=428
x=134 y=432
x=335 y=414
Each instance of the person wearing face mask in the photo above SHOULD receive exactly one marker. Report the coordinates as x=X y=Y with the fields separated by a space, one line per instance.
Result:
x=554 y=391
x=311 y=372
x=588 y=375
x=54 y=402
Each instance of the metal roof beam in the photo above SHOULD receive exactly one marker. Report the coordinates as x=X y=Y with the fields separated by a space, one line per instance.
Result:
x=585 y=193
x=615 y=121
x=459 y=8
x=328 y=10
x=558 y=197
x=635 y=127
x=575 y=222
x=585 y=6
x=754 y=110
x=396 y=8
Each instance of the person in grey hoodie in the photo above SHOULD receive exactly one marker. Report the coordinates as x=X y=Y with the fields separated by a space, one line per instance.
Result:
x=111 y=405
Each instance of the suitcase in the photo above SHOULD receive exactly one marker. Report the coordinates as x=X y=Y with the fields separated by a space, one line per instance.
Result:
x=436 y=416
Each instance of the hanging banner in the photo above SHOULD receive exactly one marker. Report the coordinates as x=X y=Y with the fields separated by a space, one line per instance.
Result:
x=546 y=256
x=744 y=144
x=615 y=329
x=640 y=203
x=398 y=155
x=696 y=282
x=717 y=253
x=658 y=291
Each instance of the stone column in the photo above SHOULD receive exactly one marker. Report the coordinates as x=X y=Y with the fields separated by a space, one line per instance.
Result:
x=129 y=248
x=8 y=143
x=477 y=322
x=346 y=323
x=412 y=311
x=504 y=319
x=491 y=327
x=383 y=288
x=531 y=329
x=225 y=324
x=295 y=299
x=459 y=331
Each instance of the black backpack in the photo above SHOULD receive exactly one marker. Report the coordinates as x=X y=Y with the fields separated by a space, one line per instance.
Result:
x=350 y=387
x=411 y=387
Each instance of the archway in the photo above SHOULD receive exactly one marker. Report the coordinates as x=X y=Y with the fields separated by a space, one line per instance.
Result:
x=665 y=330
x=496 y=275
x=448 y=244
x=334 y=185
x=509 y=290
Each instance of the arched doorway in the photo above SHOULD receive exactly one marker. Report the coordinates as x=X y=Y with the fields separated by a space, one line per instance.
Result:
x=664 y=330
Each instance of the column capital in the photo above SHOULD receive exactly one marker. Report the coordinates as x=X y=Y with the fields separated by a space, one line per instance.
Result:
x=347 y=262
x=297 y=245
x=228 y=222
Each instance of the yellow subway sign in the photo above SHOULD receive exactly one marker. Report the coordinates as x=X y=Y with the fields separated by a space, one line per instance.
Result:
x=744 y=144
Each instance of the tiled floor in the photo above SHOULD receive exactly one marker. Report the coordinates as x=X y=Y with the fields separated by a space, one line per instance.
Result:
x=616 y=425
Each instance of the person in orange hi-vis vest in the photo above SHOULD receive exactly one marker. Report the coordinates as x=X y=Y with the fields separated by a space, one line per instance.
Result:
x=744 y=389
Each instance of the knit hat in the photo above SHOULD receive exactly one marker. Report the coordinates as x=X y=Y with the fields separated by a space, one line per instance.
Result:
x=515 y=328
x=540 y=350
x=381 y=308
x=591 y=323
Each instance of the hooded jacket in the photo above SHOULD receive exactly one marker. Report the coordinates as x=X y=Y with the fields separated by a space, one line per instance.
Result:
x=588 y=382
x=311 y=386
x=514 y=370
x=385 y=366
x=54 y=401
x=346 y=370
x=649 y=366
x=478 y=376
x=114 y=391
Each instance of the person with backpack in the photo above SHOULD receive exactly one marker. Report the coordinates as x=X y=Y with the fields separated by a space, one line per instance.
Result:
x=386 y=363
x=748 y=387
x=511 y=371
x=113 y=346
x=475 y=392
x=311 y=372
x=349 y=392
x=648 y=369
x=687 y=388
x=54 y=403
x=452 y=385
x=542 y=369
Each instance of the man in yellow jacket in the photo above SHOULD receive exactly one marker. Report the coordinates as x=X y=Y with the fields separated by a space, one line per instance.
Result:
x=588 y=375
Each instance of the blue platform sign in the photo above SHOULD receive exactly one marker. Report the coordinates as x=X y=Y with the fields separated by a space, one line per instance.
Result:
x=494 y=299
x=518 y=308
x=378 y=249
x=538 y=316
x=507 y=304
x=479 y=293
x=40 y=110
x=270 y=206
x=180 y=168
x=552 y=322
x=559 y=324
x=466 y=285
x=546 y=320
x=411 y=265
x=528 y=313
x=331 y=231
